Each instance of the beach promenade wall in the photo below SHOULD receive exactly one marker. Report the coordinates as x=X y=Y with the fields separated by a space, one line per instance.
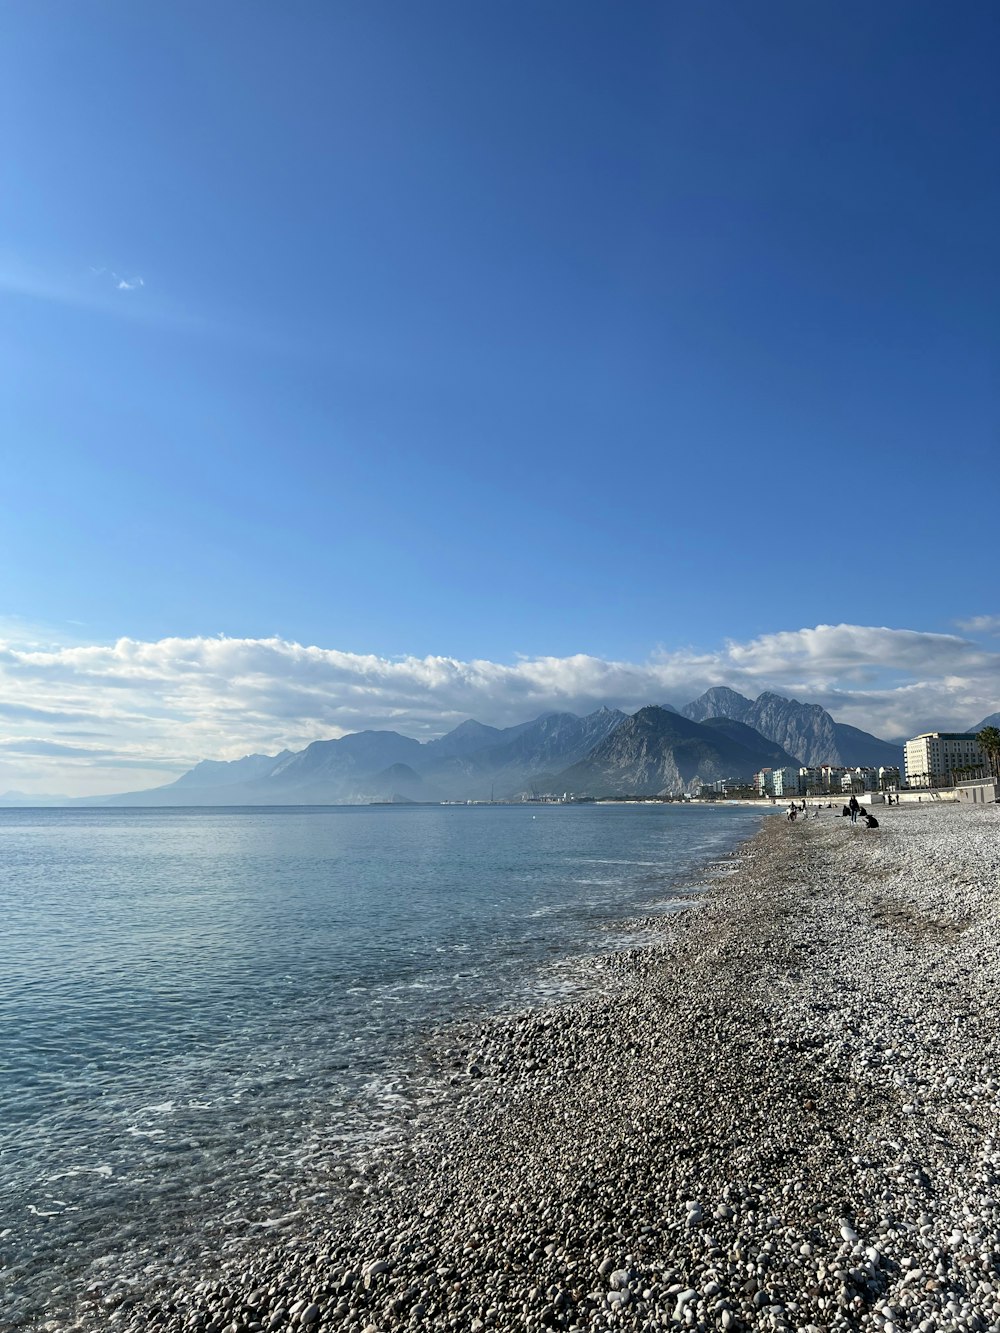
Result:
x=928 y=796
x=977 y=793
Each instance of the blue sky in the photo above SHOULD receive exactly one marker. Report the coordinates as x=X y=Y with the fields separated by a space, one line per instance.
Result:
x=493 y=332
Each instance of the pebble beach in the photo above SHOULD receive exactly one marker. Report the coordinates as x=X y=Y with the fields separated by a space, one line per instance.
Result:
x=783 y=1114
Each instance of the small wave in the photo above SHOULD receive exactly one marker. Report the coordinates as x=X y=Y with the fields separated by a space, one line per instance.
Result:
x=613 y=861
x=267 y=1224
x=666 y=906
x=103 y=1170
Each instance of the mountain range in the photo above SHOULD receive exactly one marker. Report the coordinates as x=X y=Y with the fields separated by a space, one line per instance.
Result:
x=805 y=730
x=659 y=749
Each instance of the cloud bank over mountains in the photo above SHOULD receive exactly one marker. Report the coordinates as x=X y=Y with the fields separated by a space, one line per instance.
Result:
x=82 y=719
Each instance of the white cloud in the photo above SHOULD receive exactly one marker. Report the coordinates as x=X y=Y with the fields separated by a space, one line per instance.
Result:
x=980 y=625
x=164 y=705
x=122 y=284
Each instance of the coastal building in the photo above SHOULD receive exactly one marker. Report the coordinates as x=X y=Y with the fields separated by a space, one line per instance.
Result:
x=762 y=782
x=888 y=778
x=859 y=779
x=832 y=776
x=939 y=758
x=785 y=781
x=810 y=780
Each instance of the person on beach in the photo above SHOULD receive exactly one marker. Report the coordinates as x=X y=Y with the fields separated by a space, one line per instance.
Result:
x=870 y=820
x=845 y=813
x=854 y=808
x=792 y=813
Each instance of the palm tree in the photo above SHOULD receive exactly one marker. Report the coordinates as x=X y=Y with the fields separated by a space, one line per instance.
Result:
x=989 y=740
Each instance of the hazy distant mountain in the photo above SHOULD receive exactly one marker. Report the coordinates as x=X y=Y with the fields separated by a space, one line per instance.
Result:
x=21 y=798
x=471 y=737
x=466 y=738
x=325 y=772
x=398 y=782
x=558 y=738
x=220 y=773
x=550 y=742
x=473 y=762
x=720 y=735
x=657 y=751
x=992 y=721
x=806 y=731
x=344 y=759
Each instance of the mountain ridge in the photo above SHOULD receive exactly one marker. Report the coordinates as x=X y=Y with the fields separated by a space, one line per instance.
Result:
x=806 y=731
x=476 y=761
x=658 y=752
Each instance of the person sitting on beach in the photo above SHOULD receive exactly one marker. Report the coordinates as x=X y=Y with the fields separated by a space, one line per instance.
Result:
x=846 y=812
x=792 y=813
x=870 y=820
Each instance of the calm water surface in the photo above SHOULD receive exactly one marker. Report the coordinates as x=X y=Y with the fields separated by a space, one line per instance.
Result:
x=203 y=1011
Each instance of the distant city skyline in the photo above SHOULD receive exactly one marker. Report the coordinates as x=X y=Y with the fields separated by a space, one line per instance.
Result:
x=507 y=357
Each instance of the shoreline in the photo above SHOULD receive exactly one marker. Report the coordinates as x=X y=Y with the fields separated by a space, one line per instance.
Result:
x=754 y=1128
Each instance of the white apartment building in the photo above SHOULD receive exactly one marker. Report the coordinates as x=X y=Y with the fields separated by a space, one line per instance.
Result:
x=823 y=778
x=777 y=782
x=785 y=781
x=831 y=778
x=932 y=758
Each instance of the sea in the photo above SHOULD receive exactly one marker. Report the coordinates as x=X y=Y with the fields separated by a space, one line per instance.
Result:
x=207 y=1014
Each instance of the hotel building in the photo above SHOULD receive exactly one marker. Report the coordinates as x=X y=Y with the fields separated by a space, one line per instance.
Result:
x=933 y=758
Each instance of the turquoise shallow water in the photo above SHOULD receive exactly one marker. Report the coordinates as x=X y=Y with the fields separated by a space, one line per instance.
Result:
x=202 y=1011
